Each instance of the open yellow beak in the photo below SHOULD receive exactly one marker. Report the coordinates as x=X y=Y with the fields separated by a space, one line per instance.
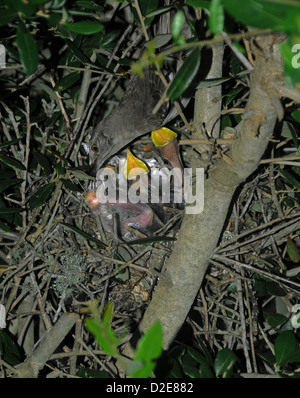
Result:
x=163 y=136
x=134 y=166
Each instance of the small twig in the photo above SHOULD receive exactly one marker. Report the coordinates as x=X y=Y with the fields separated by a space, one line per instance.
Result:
x=282 y=160
x=138 y=10
x=47 y=346
x=129 y=264
x=218 y=141
x=239 y=55
x=273 y=189
x=61 y=105
x=87 y=69
x=26 y=159
x=232 y=245
x=232 y=262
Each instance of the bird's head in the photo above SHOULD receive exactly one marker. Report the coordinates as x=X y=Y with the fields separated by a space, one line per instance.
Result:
x=102 y=146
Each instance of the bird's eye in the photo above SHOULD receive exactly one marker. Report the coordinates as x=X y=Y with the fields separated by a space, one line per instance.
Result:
x=95 y=148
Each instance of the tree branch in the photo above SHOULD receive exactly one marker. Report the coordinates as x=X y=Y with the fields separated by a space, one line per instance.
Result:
x=200 y=233
x=47 y=346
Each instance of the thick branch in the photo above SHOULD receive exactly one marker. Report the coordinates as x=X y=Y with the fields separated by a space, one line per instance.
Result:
x=49 y=343
x=200 y=233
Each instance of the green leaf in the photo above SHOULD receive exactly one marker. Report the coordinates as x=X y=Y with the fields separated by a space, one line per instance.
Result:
x=197 y=356
x=170 y=363
x=9 y=350
x=89 y=5
x=216 y=17
x=148 y=349
x=296 y=115
x=78 y=53
x=108 y=40
x=81 y=174
x=71 y=186
x=43 y=162
x=274 y=14
x=41 y=196
x=11 y=162
x=10 y=210
x=275 y=290
x=37 y=2
x=10 y=143
x=290 y=52
x=212 y=82
x=185 y=75
x=91 y=373
x=285 y=345
x=190 y=365
x=25 y=8
x=274 y=320
x=4 y=184
x=147 y=6
x=4 y=227
x=159 y=11
x=108 y=313
x=290 y=179
x=84 y=27
x=7 y=16
x=86 y=236
x=27 y=49
x=104 y=335
x=199 y=3
x=292 y=250
x=103 y=332
x=67 y=81
x=176 y=28
x=224 y=362
x=123 y=255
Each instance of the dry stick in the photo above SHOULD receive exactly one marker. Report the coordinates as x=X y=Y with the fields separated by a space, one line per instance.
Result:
x=201 y=141
x=220 y=39
x=205 y=310
x=85 y=85
x=206 y=141
x=281 y=160
x=240 y=297
x=243 y=324
x=39 y=297
x=135 y=266
x=24 y=330
x=250 y=325
x=238 y=53
x=93 y=354
x=61 y=105
x=228 y=246
x=124 y=264
x=26 y=159
x=287 y=163
x=274 y=245
x=51 y=340
x=141 y=18
x=229 y=261
x=73 y=359
x=88 y=69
